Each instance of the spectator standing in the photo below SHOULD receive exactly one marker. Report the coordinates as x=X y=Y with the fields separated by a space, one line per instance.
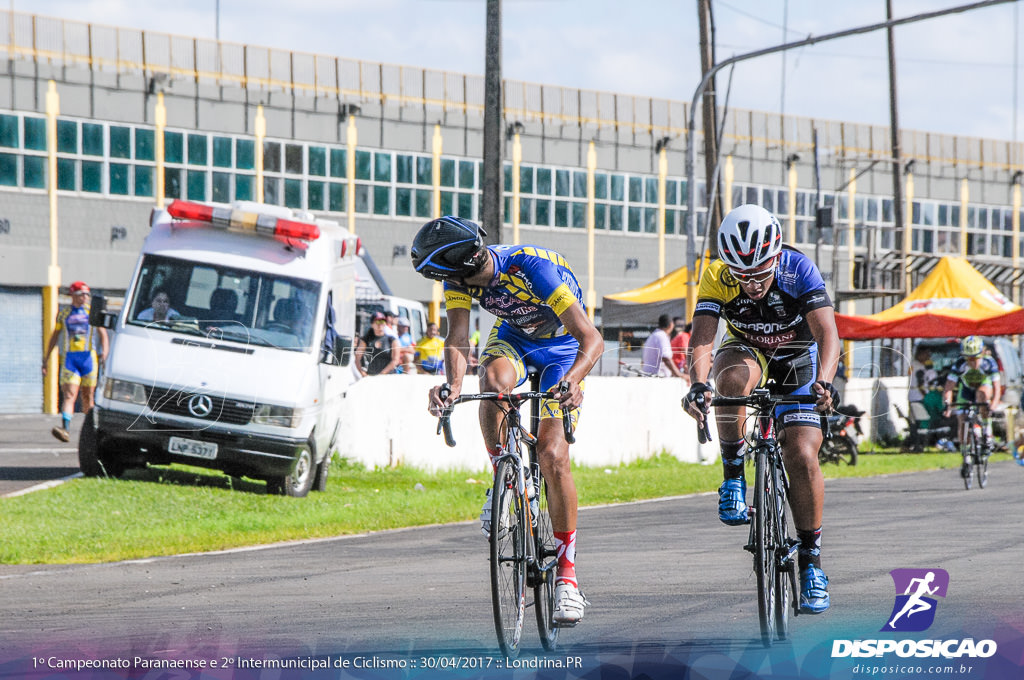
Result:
x=378 y=352
x=430 y=351
x=680 y=338
x=405 y=347
x=79 y=363
x=657 y=352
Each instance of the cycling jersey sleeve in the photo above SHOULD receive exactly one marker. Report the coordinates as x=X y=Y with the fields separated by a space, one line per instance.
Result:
x=713 y=292
x=456 y=297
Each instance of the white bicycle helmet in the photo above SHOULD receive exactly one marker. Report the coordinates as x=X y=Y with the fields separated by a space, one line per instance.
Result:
x=749 y=237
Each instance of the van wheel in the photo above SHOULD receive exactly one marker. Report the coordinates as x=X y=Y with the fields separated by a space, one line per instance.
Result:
x=299 y=482
x=89 y=459
x=321 y=473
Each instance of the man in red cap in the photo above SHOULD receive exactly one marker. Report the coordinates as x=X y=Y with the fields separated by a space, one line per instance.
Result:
x=79 y=364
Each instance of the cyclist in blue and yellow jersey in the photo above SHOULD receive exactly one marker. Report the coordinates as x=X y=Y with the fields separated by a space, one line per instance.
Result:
x=541 y=324
x=79 y=363
x=780 y=326
x=975 y=379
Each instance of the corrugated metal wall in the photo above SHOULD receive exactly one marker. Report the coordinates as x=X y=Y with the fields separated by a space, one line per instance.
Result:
x=21 y=337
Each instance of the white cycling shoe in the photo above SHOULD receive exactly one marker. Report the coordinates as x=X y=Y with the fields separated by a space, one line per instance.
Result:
x=569 y=605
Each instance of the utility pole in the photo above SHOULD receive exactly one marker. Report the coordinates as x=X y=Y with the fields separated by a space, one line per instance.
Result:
x=710 y=115
x=492 y=184
x=897 y=164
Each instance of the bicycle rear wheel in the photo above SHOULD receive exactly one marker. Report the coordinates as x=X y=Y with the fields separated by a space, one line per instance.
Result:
x=544 y=573
x=508 y=557
x=765 y=565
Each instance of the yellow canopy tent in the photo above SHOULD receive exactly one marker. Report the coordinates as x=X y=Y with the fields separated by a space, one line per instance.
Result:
x=642 y=306
x=953 y=300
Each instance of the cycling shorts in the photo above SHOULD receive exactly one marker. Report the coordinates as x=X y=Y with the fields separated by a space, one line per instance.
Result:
x=550 y=357
x=79 y=368
x=793 y=373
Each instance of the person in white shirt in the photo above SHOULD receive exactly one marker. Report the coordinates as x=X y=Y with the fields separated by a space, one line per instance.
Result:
x=657 y=354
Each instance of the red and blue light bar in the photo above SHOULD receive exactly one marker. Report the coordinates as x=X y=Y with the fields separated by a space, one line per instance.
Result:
x=290 y=232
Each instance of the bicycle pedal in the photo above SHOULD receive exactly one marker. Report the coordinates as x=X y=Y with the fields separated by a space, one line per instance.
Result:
x=564 y=624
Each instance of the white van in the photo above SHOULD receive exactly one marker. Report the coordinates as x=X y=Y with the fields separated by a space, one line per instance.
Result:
x=412 y=310
x=247 y=372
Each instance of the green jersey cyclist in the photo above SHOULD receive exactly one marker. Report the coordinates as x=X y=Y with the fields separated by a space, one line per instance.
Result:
x=780 y=324
x=975 y=379
x=542 y=324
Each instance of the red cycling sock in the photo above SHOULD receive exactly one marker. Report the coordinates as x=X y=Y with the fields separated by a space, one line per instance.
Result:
x=565 y=545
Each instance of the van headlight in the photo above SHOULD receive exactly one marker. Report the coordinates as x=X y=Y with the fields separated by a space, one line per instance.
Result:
x=123 y=390
x=278 y=416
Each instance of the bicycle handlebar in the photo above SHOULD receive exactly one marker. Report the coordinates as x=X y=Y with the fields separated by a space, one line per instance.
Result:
x=513 y=399
x=760 y=399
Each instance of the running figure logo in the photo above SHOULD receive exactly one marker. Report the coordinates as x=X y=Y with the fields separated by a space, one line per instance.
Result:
x=914 y=609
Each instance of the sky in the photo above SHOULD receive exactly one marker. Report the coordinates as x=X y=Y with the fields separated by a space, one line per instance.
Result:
x=955 y=74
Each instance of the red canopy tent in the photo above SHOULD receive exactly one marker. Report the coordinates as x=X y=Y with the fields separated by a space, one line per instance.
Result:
x=954 y=300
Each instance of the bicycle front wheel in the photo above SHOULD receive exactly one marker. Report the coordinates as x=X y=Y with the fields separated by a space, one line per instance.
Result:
x=765 y=565
x=508 y=557
x=967 y=451
x=982 y=464
x=785 y=569
x=547 y=562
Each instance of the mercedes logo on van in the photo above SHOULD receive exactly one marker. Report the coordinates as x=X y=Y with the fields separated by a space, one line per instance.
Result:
x=200 y=406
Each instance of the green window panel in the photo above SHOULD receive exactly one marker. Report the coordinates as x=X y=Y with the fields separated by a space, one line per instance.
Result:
x=120 y=141
x=336 y=195
x=245 y=155
x=8 y=170
x=9 y=131
x=174 y=147
x=317 y=161
x=271 y=157
x=293 y=193
x=466 y=178
x=221 y=186
x=67 y=174
x=543 y=181
x=525 y=210
x=293 y=159
x=315 y=195
x=671 y=192
x=34 y=168
x=145 y=145
x=600 y=216
x=197 y=151
x=600 y=185
x=506 y=210
x=245 y=187
x=362 y=198
x=35 y=134
x=562 y=186
x=422 y=203
x=118 y=177
x=615 y=218
x=404 y=169
x=338 y=166
x=67 y=136
x=447 y=173
x=579 y=215
x=196 y=181
x=424 y=170
x=543 y=214
x=382 y=167
x=92 y=139
x=636 y=190
x=222 y=152
x=651 y=189
x=507 y=177
x=172 y=183
x=272 y=190
x=403 y=202
x=363 y=162
x=465 y=206
x=651 y=220
x=579 y=184
x=144 y=180
x=381 y=200
x=526 y=179
x=447 y=203
x=618 y=184
x=670 y=221
x=635 y=219
x=561 y=213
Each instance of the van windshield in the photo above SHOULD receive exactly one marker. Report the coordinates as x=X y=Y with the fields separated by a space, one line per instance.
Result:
x=224 y=303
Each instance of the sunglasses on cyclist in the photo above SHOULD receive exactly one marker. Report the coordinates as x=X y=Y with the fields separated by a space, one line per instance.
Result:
x=754 y=277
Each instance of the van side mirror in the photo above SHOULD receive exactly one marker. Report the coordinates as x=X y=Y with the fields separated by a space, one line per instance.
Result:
x=99 y=317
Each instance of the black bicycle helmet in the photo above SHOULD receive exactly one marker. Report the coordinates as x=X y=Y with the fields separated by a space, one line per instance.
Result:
x=449 y=247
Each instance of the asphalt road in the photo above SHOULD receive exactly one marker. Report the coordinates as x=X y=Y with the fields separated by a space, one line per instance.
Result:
x=670 y=587
x=30 y=455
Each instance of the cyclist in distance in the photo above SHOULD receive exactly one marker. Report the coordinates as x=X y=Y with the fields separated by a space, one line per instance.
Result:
x=781 y=325
x=542 y=324
x=975 y=378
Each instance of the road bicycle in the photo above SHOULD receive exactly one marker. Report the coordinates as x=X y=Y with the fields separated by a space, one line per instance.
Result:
x=770 y=542
x=972 y=445
x=522 y=542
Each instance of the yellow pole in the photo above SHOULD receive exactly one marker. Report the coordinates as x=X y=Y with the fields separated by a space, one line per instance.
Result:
x=591 y=169
x=351 y=137
x=851 y=211
x=50 y=388
x=160 y=116
x=729 y=176
x=517 y=159
x=792 y=202
x=965 y=197
x=436 y=290
x=1015 y=224
x=261 y=134
x=662 y=175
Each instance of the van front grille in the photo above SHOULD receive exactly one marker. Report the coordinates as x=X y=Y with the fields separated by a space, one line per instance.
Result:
x=206 y=406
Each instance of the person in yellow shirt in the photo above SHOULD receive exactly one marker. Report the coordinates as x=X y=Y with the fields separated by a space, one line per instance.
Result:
x=430 y=352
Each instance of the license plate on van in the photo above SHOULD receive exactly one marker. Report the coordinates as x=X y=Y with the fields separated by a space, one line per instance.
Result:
x=192 y=447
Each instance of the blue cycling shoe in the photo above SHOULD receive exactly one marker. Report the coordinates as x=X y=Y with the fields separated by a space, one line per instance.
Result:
x=732 y=505
x=813 y=590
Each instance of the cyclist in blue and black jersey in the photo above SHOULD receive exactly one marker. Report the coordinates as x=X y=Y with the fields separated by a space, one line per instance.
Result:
x=542 y=324
x=780 y=325
x=975 y=379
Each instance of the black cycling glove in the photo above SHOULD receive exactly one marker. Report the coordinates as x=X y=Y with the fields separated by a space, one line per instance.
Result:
x=696 y=396
x=832 y=391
